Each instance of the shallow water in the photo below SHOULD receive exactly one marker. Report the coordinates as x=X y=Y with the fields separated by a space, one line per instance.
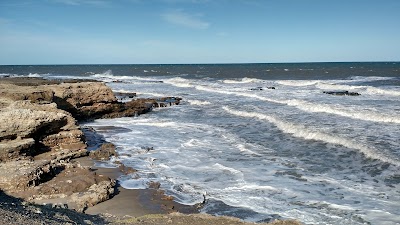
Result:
x=290 y=152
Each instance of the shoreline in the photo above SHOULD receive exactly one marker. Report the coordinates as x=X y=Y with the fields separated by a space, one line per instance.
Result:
x=44 y=167
x=133 y=202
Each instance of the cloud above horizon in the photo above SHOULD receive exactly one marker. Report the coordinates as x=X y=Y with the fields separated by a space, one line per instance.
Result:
x=180 y=18
x=82 y=2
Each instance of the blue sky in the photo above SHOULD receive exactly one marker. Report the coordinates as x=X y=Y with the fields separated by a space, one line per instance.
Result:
x=198 y=31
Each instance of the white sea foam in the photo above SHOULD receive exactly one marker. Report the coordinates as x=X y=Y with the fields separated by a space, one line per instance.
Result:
x=244 y=94
x=108 y=76
x=303 y=132
x=140 y=183
x=179 y=82
x=251 y=187
x=151 y=94
x=244 y=80
x=8 y=75
x=367 y=79
x=361 y=89
x=354 y=114
x=315 y=107
x=225 y=168
x=29 y=75
x=192 y=143
x=35 y=75
x=198 y=102
x=157 y=124
x=243 y=149
x=107 y=73
x=297 y=83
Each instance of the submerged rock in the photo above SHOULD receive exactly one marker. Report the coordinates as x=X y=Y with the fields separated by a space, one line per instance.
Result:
x=256 y=89
x=260 y=88
x=341 y=93
x=124 y=95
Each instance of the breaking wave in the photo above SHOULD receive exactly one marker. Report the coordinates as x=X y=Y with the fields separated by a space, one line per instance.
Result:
x=302 y=132
x=244 y=80
x=314 y=107
x=361 y=89
x=197 y=102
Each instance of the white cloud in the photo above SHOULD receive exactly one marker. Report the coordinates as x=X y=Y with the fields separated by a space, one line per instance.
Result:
x=82 y=2
x=186 y=20
x=186 y=1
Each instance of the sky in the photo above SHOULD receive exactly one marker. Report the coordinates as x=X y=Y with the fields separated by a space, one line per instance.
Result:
x=197 y=31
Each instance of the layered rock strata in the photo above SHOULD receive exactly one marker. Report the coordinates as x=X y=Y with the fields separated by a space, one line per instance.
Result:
x=40 y=137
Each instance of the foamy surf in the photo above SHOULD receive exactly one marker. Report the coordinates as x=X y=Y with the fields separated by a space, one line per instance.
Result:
x=244 y=80
x=303 y=132
x=314 y=107
x=361 y=89
x=353 y=114
x=308 y=161
x=198 y=102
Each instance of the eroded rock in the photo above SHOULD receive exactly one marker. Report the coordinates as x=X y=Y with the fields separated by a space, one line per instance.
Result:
x=95 y=194
x=39 y=136
x=16 y=149
x=105 y=151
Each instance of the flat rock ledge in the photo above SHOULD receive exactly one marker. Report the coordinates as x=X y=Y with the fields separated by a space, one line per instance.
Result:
x=40 y=136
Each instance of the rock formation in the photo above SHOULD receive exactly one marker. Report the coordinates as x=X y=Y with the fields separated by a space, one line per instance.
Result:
x=105 y=151
x=40 y=137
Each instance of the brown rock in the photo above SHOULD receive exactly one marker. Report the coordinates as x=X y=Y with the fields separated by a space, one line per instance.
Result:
x=16 y=149
x=84 y=100
x=154 y=185
x=38 y=128
x=70 y=180
x=20 y=175
x=126 y=170
x=33 y=94
x=26 y=123
x=95 y=194
x=105 y=151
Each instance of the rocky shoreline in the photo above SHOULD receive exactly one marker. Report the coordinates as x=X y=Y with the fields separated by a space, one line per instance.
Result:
x=41 y=143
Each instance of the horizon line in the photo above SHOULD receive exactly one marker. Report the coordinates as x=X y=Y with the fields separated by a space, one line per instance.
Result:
x=236 y=63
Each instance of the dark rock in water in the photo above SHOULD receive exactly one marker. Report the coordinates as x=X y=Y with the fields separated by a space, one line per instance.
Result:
x=124 y=95
x=126 y=169
x=154 y=185
x=341 y=93
x=260 y=88
x=104 y=152
x=256 y=89
x=163 y=102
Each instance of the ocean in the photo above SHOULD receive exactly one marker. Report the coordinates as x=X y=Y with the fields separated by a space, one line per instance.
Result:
x=260 y=141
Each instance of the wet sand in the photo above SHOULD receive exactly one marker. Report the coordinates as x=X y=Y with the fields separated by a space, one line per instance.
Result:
x=133 y=203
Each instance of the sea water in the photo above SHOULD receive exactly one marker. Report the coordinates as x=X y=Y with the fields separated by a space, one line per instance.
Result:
x=255 y=152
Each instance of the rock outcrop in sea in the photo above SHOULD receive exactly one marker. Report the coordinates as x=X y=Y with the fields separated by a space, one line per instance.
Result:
x=40 y=136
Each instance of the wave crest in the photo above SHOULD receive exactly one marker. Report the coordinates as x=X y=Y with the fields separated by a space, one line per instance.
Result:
x=302 y=132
